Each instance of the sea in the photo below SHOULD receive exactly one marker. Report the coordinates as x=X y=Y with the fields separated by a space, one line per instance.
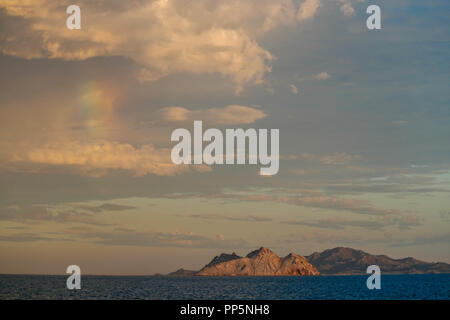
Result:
x=393 y=287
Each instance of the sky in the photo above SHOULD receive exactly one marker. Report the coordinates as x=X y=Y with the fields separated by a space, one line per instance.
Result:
x=86 y=118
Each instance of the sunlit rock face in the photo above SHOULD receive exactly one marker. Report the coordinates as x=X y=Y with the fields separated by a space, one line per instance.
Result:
x=261 y=262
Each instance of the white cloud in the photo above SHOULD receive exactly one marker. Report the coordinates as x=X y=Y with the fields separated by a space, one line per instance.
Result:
x=96 y=159
x=233 y=114
x=163 y=37
x=308 y=9
x=347 y=8
x=323 y=76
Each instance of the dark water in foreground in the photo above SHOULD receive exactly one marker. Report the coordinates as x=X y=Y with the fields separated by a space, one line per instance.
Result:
x=133 y=287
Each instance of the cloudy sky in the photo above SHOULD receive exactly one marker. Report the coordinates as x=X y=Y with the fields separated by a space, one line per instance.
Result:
x=86 y=117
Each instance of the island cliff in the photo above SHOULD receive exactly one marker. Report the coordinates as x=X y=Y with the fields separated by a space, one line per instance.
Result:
x=261 y=262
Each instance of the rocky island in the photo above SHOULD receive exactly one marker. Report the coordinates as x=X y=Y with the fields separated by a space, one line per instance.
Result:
x=261 y=262
x=336 y=261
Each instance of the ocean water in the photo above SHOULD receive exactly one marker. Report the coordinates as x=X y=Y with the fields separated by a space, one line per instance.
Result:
x=266 y=288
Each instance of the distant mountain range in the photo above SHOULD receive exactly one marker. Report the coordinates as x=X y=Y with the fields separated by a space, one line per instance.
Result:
x=337 y=261
x=350 y=261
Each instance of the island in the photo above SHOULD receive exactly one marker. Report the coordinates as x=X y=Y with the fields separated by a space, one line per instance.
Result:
x=336 y=261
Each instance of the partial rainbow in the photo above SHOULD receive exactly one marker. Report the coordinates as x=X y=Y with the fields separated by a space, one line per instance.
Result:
x=97 y=109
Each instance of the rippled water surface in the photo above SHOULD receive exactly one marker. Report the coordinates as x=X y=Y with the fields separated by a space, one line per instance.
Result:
x=142 y=287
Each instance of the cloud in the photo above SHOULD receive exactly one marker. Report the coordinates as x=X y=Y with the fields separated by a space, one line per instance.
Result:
x=337 y=203
x=123 y=237
x=337 y=158
x=376 y=187
x=347 y=8
x=323 y=76
x=163 y=37
x=294 y=89
x=18 y=228
x=299 y=172
x=96 y=159
x=338 y=223
x=340 y=237
x=402 y=222
x=325 y=236
x=104 y=207
x=39 y=213
x=233 y=114
x=419 y=240
x=248 y=218
x=25 y=237
x=318 y=201
x=308 y=9
x=407 y=221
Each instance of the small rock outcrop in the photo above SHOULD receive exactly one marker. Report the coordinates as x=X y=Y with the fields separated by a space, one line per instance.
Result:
x=182 y=273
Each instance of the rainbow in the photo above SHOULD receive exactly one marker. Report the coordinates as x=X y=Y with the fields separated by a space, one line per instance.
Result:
x=97 y=109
